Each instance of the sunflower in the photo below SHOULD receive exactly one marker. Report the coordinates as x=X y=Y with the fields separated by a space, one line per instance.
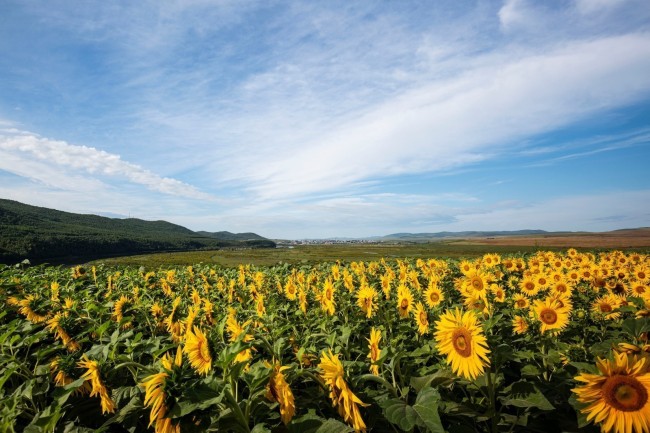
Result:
x=520 y=301
x=54 y=291
x=28 y=307
x=97 y=386
x=617 y=398
x=476 y=284
x=542 y=280
x=340 y=393
x=421 y=318
x=154 y=398
x=528 y=287
x=519 y=325
x=498 y=292
x=198 y=351
x=561 y=286
x=366 y=300
x=375 y=352
x=62 y=368
x=552 y=317
x=491 y=260
x=642 y=274
x=461 y=338
x=302 y=299
x=606 y=306
x=278 y=390
x=433 y=295
x=326 y=298
x=563 y=300
x=639 y=289
x=290 y=289
x=386 y=281
x=55 y=325
x=477 y=304
x=404 y=301
x=466 y=267
x=260 y=308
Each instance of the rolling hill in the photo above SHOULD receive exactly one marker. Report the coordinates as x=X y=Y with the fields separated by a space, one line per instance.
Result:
x=42 y=234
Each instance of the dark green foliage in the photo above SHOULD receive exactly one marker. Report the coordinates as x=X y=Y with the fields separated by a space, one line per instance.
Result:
x=41 y=234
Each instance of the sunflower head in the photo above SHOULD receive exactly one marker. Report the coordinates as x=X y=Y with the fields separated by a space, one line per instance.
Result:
x=552 y=315
x=617 y=398
x=461 y=339
x=197 y=350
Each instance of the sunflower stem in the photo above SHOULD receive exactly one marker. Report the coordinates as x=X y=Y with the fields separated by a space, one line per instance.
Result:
x=493 y=402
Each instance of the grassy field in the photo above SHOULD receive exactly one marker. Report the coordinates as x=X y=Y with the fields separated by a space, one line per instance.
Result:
x=304 y=254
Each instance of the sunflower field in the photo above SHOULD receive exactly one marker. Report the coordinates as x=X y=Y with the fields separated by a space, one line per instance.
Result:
x=544 y=342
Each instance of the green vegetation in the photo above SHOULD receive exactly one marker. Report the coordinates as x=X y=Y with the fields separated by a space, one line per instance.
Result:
x=41 y=234
x=311 y=254
x=504 y=343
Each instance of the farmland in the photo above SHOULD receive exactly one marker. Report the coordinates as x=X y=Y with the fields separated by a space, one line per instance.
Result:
x=506 y=342
x=637 y=240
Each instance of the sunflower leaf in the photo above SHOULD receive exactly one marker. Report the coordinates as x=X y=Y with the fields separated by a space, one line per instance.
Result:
x=399 y=413
x=426 y=408
x=525 y=395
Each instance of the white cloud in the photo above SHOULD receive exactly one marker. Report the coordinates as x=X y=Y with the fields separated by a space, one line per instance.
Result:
x=63 y=165
x=454 y=122
x=515 y=13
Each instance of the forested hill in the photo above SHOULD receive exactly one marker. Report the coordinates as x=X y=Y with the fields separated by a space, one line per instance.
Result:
x=41 y=234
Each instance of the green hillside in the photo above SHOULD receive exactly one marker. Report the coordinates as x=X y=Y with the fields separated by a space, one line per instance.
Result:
x=41 y=234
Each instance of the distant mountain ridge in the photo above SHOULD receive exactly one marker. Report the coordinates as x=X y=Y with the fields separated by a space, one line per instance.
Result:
x=465 y=234
x=228 y=236
x=42 y=234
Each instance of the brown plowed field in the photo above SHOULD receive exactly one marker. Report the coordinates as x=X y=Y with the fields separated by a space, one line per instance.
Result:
x=636 y=238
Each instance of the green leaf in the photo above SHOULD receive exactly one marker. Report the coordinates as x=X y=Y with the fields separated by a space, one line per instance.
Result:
x=426 y=408
x=7 y=375
x=524 y=394
x=635 y=327
x=334 y=426
x=530 y=370
x=260 y=428
x=61 y=394
x=399 y=413
x=308 y=423
x=197 y=397
x=435 y=379
x=578 y=406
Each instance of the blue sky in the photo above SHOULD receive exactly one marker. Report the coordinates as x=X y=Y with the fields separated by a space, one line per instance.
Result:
x=321 y=119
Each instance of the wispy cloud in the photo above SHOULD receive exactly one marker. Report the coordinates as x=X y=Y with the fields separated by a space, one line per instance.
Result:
x=31 y=156
x=463 y=120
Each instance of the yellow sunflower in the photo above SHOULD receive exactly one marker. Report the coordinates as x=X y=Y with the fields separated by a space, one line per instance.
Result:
x=421 y=318
x=92 y=375
x=386 y=281
x=198 y=351
x=606 y=306
x=461 y=338
x=433 y=295
x=366 y=300
x=617 y=398
x=278 y=390
x=375 y=352
x=404 y=301
x=520 y=301
x=551 y=316
x=476 y=284
x=528 y=287
x=326 y=297
x=519 y=325
x=340 y=393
